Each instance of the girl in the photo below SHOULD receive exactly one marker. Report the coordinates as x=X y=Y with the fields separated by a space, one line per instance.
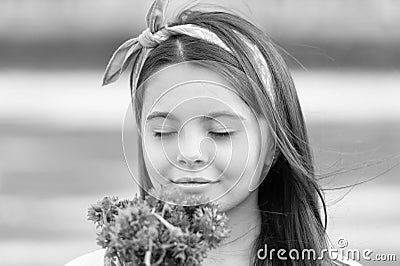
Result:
x=218 y=114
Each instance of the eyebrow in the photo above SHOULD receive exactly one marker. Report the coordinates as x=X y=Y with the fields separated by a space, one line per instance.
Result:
x=212 y=115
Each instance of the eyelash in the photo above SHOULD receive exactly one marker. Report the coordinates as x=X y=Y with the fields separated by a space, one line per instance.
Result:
x=215 y=134
x=221 y=134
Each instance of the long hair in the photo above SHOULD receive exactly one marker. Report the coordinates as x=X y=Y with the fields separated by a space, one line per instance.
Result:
x=289 y=198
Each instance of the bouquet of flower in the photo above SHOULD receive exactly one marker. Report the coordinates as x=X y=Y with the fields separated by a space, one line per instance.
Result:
x=156 y=231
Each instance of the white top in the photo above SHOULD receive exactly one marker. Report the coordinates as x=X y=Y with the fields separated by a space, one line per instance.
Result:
x=96 y=258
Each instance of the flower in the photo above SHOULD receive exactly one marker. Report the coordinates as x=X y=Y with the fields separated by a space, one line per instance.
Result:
x=155 y=230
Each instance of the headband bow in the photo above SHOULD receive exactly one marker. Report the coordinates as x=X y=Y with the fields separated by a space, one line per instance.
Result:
x=135 y=50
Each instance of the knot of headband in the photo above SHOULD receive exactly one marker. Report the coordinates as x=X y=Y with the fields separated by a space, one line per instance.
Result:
x=135 y=50
x=150 y=40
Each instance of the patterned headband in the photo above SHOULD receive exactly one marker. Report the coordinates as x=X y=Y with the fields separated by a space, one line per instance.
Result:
x=136 y=50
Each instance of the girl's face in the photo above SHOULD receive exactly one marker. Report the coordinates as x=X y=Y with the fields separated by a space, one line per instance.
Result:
x=199 y=135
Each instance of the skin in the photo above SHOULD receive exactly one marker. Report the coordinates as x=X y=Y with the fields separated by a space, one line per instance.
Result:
x=190 y=146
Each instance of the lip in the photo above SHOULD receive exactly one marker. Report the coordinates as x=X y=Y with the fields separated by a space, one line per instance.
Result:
x=193 y=184
x=192 y=180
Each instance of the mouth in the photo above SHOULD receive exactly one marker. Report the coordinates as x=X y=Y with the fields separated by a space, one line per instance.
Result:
x=193 y=183
x=192 y=180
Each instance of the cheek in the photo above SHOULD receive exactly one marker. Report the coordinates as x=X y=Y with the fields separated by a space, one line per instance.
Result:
x=160 y=150
x=156 y=159
x=151 y=151
x=232 y=160
x=238 y=159
x=236 y=178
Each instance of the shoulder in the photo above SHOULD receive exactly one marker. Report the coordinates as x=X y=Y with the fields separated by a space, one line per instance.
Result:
x=344 y=261
x=95 y=258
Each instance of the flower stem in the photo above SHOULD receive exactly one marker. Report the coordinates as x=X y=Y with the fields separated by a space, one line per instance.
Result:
x=147 y=256
x=173 y=230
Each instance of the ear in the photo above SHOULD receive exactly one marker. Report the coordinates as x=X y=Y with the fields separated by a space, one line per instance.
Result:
x=267 y=152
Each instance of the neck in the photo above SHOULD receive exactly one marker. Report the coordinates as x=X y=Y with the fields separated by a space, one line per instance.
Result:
x=245 y=224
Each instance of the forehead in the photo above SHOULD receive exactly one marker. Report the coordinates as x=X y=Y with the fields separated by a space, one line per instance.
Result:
x=187 y=90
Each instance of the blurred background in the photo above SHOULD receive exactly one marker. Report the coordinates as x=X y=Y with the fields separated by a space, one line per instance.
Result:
x=60 y=131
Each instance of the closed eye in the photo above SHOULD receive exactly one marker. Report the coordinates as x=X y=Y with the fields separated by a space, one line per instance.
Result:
x=220 y=134
x=159 y=134
x=162 y=134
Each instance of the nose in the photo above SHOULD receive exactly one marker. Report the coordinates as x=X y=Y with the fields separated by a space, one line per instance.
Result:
x=190 y=155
